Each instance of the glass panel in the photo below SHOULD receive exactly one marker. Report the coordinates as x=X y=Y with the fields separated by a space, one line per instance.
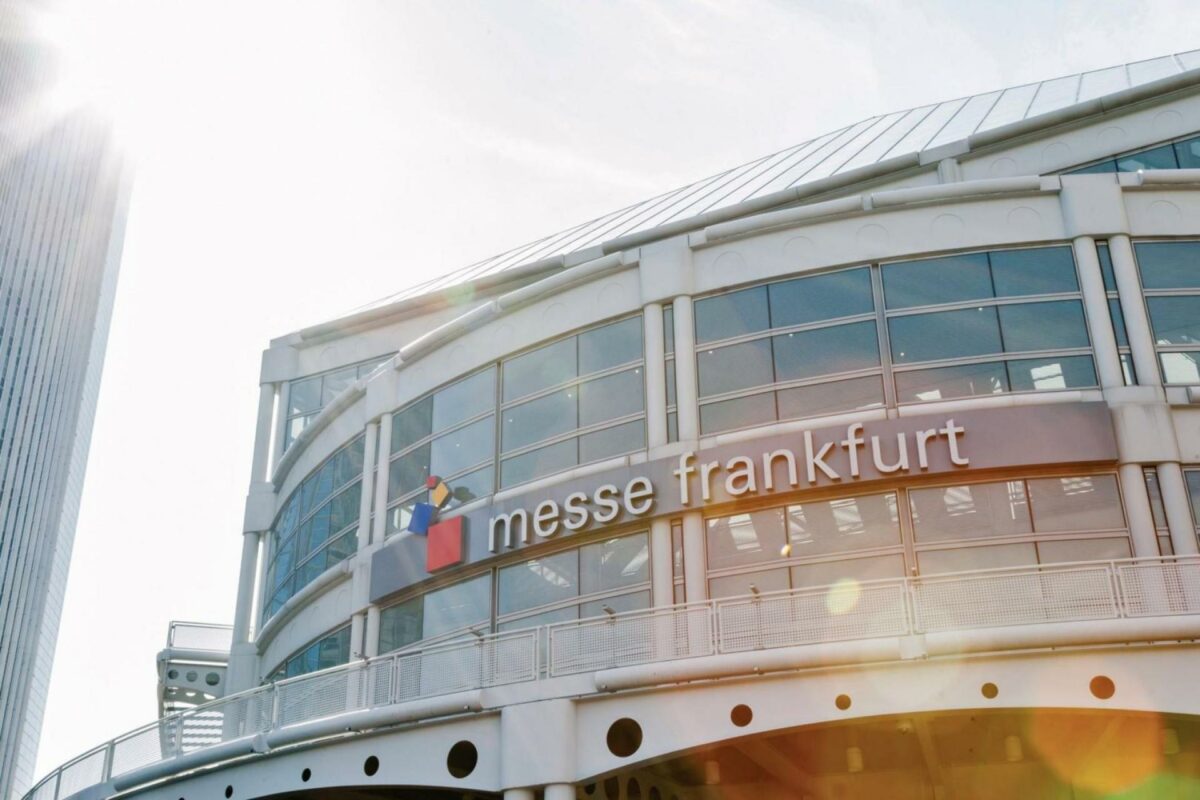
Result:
x=1193 y=486
x=610 y=397
x=1042 y=270
x=1175 y=320
x=1164 y=546
x=400 y=625
x=412 y=424
x=839 y=526
x=827 y=573
x=944 y=383
x=1043 y=374
x=615 y=441
x=1188 y=154
x=459 y=605
x=1169 y=265
x=463 y=448
x=938 y=280
x=471 y=486
x=547 y=366
x=672 y=427
x=740 y=413
x=1106 y=267
x=738 y=366
x=610 y=346
x=1057 y=552
x=841 y=348
x=945 y=334
x=745 y=538
x=634 y=601
x=731 y=314
x=1043 y=326
x=970 y=511
x=932 y=562
x=1157 y=158
x=770 y=580
x=304 y=396
x=1127 y=369
x=1180 y=367
x=341 y=548
x=544 y=461
x=539 y=582
x=544 y=618
x=1099 y=168
x=828 y=398
x=334 y=650
x=295 y=427
x=461 y=401
x=821 y=297
x=670 y=369
x=408 y=472
x=335 y=383
x=669 y=329
x=1084 y=503
x=540 y=419
x=1118 y=322
x=614 y=563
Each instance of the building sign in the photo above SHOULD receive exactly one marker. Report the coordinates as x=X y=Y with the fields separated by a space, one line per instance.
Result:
x=866 y=453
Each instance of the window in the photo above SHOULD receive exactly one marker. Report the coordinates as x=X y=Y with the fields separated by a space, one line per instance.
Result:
x=1183 y=154
x=1159 y=512
x=576 y=583
x=791 y=547
x=788 y=350
x=439 y=614
x=449 y=433
x=1115 y=315
x=317 y=528
x=306 y=397
x=669 y=347
x=983 y=309
x=1170 y=273
x=573 y=401
x=331 y=650
x=1014 y=523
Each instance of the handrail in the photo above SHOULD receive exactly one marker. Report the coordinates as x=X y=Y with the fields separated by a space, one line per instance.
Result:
x=1007 y=597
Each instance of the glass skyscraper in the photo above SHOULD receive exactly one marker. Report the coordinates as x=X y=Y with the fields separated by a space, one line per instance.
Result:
x=63 y=197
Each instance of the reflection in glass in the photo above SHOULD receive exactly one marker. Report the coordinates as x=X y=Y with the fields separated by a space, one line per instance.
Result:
x=731 y=314
x=734 y=367
x=543 y=461
x=457 y=606
x=842 y=525
x=1038 y=270
x=1059 y=551
x=944 y=383
x=1045 y=374
x=611 y=397
x=1180 y=367
x=614 y=441
x=745 y=538
x=969 y=511
x=739 y=413
x=962 y=559
x=1080 y=503
x=1169 y=265
x=610 y=346
x=949 y=279
x=1175 y=320
x=945 y=334
x=539 y=581
x=539 y=419
x=821 y=297
x=614 y=563
x=540 y=369
x=841 y=348
x=829 y=398
x=827 y=573
x=1043 y=326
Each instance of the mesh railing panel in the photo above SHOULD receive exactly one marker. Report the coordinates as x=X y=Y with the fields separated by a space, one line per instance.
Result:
x=191 y=636
x=319 y=696
x=378 y=682
x=147 y=745
x=511 y=658
x=989 y=600
x=1160 y=589
x=829 y=614
x=88 y=770
x=632 y=639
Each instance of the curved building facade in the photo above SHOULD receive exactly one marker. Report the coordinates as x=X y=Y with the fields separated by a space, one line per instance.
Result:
x=879 y=479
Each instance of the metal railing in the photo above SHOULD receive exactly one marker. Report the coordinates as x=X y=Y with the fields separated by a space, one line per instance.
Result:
x=846 y=611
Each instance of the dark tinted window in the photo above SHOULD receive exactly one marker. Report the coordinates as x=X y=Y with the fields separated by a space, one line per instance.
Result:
x=732 y=314
x=939 y=280
x=1043 y=270
x=1169 y=265
x=944 y=334
x=821 y=297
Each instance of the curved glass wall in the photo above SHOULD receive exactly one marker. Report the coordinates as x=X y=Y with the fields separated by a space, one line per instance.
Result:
x=987 y=323
x=576 y=400
x=307 y=396
x=1183 y=154
x=317 y=527
x=1170 y=273
x=926 y=530
x=581 y=581
x=786 y=350
x=330 y=650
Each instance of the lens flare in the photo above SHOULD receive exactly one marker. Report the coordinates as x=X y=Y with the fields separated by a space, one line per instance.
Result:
x=843 y=596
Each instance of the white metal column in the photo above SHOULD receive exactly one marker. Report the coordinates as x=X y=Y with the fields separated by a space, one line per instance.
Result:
x=1133 y=307
x=1178 y=506
x=662 y=583
x=656 y=376
x=695 y=562
x=1104 y=341
x=1137 y=508
x=379 y=529
x=686 y=392
x=370 y=437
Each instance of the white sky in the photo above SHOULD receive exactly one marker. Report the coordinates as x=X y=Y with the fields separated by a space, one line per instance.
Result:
x=299 y=159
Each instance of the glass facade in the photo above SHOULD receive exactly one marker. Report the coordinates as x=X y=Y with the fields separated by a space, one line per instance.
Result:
x=944 y=528
x=987 y=323
x=787 y=350
x=307 y=396
x=1170 y=273
x=575 y=583
x=317 y=528
x=329 y=651
x=1115 y=314
x=1183 y=154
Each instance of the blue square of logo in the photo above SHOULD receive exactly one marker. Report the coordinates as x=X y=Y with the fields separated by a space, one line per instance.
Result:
x=422 y=515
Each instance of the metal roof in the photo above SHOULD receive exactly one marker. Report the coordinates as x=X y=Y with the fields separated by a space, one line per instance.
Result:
x=858 y=145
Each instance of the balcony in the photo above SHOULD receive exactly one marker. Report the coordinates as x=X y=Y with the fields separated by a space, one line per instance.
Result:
x=1059 y=606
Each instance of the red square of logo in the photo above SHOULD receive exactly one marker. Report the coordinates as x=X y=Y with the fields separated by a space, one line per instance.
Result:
x=444 y=545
